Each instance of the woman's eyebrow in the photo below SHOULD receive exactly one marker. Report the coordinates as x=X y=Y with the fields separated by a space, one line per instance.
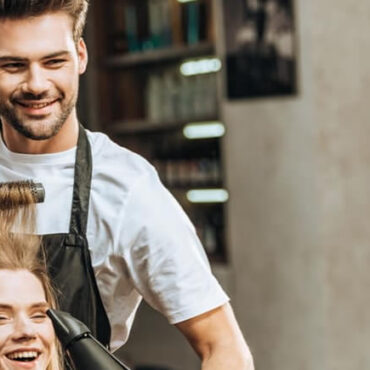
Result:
x=42 y=305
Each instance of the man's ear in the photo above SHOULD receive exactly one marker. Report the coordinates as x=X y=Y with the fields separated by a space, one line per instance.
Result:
x=82 y=56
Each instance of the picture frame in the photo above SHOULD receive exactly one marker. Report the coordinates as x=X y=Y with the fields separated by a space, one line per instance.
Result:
x=260 y=48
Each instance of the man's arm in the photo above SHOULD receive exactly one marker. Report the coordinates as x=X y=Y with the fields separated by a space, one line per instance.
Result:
x=217 y=339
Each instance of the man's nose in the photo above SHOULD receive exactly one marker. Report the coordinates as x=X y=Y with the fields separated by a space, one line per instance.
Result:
x=36 y=81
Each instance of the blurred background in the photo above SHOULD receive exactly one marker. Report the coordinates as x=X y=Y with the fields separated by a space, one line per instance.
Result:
x=256 y=116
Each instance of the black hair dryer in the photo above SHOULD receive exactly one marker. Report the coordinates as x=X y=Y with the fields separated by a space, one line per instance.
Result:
x=83 y=349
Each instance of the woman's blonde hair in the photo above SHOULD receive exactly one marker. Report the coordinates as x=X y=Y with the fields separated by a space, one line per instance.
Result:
x=20 y=249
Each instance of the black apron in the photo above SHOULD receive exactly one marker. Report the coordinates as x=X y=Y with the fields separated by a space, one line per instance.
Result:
x=68 y=258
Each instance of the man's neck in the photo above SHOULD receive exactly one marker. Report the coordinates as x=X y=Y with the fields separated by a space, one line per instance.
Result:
x=65 y=139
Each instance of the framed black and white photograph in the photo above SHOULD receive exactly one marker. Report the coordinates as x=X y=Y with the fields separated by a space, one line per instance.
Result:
x=260 y=48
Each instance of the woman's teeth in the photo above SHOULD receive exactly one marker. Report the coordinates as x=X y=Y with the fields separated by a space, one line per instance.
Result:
x=23 y=356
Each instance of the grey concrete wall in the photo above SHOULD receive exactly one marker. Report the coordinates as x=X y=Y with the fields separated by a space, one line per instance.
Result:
x=274 y=218
x=299 y=180
x=341 y=67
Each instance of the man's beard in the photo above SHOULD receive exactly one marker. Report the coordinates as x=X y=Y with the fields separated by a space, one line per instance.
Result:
x=40 y=128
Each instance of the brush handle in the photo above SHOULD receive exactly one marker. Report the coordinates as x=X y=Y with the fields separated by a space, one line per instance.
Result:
x=38 y=191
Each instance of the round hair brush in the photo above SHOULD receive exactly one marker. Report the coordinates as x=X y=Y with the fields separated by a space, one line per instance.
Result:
x=20 y=193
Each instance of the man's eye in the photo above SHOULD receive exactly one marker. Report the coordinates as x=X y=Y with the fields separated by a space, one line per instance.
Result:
x=3 y=318
x=13 y=66
x=55 y=62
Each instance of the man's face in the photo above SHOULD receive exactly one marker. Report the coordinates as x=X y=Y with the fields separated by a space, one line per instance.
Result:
x=39 y=72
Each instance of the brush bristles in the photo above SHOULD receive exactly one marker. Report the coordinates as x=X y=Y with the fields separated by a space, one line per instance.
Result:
x=17 y=205
x=16 y=194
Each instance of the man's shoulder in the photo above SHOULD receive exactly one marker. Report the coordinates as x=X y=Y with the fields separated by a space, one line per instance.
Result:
x=104 y=148
x=115 y=161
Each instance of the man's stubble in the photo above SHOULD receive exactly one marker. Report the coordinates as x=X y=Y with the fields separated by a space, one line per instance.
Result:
x=40 y=128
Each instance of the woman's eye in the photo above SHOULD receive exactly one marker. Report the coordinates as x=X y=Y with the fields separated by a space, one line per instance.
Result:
x=3 y=318
x=38 y=316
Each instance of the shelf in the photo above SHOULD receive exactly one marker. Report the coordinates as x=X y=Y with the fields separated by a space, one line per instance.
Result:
x=159 y=55
x=147 y=127
x=183 y=189
x=144 y=100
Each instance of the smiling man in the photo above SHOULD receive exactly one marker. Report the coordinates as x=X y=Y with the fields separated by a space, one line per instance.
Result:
x=112 y=232
x=40 y=63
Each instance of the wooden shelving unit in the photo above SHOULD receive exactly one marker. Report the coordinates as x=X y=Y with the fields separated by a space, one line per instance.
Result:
x=144 y=101
x=169 y=54
x=145 y=126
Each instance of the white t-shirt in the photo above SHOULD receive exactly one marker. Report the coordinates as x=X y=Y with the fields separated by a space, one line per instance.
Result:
x=141 y=242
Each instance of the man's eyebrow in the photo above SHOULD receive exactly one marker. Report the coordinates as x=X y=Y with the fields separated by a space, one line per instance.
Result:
x=11 y=58
x=57 y=54
x=5 y=306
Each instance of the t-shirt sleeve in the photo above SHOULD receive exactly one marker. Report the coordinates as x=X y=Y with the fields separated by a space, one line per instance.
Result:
x=164 y=257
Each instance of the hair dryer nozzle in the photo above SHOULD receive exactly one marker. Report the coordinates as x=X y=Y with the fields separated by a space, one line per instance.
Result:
x=83 y=349
x=66 y=327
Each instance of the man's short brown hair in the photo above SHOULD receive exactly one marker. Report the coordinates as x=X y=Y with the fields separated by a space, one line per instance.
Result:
x=18 y=9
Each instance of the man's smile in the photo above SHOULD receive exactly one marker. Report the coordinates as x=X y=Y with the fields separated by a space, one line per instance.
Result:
x=36 y=107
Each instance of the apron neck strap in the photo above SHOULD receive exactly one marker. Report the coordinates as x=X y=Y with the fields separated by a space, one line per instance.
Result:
x=82 y=184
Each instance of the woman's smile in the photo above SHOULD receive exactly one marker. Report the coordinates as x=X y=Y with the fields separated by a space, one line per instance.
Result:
x=26 y=332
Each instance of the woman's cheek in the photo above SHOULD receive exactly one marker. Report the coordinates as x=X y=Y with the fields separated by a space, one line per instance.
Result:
x=48 y=331
x=5 y=332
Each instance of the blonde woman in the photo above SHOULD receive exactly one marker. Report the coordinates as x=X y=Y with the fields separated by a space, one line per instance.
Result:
x=27 y=338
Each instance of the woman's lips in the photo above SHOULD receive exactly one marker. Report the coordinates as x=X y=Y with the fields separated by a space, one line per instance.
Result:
x=23 y=354
x=25 y=359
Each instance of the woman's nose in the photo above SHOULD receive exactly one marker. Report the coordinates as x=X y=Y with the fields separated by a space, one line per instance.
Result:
x=23 y=330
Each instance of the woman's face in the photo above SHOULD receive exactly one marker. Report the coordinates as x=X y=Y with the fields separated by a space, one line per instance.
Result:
x=26 y=333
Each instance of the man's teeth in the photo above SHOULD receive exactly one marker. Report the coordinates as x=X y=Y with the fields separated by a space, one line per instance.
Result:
x=35 y=106
x=27 y=355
